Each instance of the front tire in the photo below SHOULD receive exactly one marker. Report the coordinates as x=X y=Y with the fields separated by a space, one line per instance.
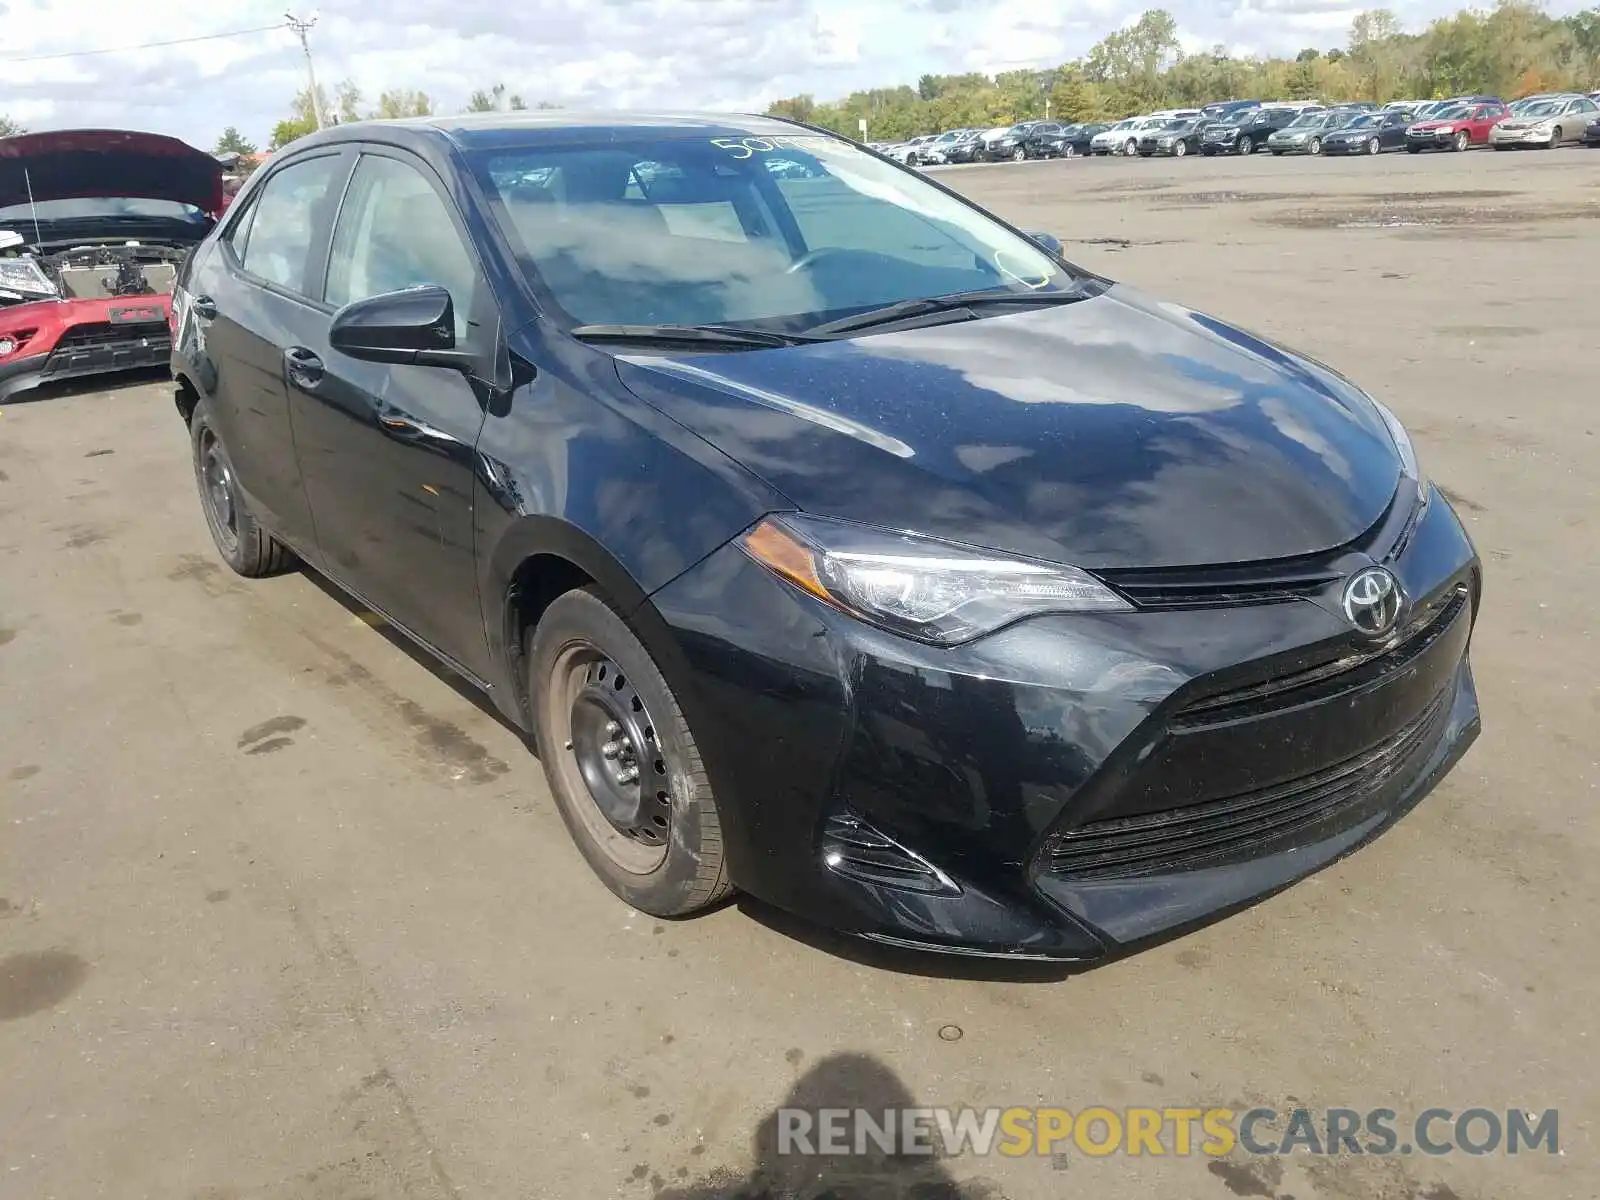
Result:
x=1247 y=145
x=1019 y=155
x=622 y=763
x=1130 y=148
x=1373 y=146
x=246 y=547
x=1314 y=146
x=1180 y=150
x=1555 y=138
x=1461 y=142
x=1069 y=151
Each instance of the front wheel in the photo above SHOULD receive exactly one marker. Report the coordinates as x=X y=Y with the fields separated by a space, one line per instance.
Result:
x=1069 y=151
x=1462 y=141
x=1019 y=155
x=1555 y=138
x=1246 y=146
x=1180 y=150
x=622 y=763
x=1413 y=149
x=1315 y=146
x=246 y=547
x=1373 y=146
x=1130 y=148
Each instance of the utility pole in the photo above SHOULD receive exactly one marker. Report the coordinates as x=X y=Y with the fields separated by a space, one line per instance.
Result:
x=303 y=27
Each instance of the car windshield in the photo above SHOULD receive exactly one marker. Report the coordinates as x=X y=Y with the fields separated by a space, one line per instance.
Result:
x=96 y=207
x=1361 y=121
x=1543 y=108
x=1308 y=120
x=692 y=231
x=1453 y=113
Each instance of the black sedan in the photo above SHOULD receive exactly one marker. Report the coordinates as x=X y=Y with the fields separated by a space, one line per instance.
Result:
x=1372 y=133
x=831 y=539
x=1591 y=135
x=1067 y=141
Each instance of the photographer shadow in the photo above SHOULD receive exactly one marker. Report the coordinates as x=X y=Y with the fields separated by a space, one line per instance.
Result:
x=780 y=1172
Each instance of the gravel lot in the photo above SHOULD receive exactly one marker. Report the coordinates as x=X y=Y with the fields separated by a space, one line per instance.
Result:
x=285 y=914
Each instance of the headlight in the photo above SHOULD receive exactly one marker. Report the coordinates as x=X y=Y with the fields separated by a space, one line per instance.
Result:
x=919 y=587
x=24 y=276
x=1409 y=466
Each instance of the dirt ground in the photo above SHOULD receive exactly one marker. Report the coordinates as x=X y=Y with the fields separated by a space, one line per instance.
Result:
x=285 y=914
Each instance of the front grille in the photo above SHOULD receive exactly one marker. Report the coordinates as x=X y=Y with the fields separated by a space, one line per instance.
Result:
x=102 y=333
x=1250 y=824
x=1341 y=672
x=855 y=850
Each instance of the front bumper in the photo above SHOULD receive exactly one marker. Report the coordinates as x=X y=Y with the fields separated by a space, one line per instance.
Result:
x=1519 y=137
x=1070 y=786
x=65 y=340
x=1287 y=147
x=1432 y=139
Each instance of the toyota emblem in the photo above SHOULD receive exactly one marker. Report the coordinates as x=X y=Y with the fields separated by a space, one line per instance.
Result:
x=1372 y=600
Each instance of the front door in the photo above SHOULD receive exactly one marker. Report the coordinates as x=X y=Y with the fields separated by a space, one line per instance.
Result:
x=388 y=452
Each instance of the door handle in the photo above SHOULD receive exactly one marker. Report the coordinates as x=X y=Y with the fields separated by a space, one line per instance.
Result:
x=399 y=426
x=303 y=366
x=203 y=307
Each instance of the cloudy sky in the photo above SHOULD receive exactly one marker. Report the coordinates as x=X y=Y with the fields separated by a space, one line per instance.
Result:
x=718 y=54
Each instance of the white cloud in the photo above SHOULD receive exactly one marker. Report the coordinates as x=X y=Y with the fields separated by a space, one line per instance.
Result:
x=716 y=54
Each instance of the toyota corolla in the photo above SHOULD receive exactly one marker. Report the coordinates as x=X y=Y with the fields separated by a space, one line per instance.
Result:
x=832 y=539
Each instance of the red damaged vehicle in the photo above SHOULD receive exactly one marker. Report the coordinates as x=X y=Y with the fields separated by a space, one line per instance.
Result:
x=93 y=226
x=1459 y=127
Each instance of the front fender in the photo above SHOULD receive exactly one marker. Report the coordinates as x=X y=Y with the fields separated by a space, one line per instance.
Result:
x=579 y=469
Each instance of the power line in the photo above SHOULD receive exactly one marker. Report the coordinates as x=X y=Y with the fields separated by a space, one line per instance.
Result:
x=188 y=41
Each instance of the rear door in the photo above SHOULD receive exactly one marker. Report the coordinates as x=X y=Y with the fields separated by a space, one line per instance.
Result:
x=247 y=301
x=389 y=451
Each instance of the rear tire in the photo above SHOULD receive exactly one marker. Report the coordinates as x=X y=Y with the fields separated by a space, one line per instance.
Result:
x=655 y=840
x=246 y=547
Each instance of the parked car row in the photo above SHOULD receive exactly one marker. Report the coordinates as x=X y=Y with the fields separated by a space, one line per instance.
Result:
x=1280 y=127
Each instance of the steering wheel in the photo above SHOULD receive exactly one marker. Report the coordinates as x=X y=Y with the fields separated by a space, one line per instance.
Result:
x=812 y=257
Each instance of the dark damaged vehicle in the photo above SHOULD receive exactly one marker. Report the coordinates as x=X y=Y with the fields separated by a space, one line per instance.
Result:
x=832 y=539
x=93 y=226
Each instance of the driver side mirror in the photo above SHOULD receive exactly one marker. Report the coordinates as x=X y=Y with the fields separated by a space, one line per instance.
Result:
x=1049 y=241
x=414 y=326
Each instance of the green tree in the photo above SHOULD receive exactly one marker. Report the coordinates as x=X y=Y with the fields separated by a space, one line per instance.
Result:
x=495 y=100
x=9 y=128
x=234 y=142
x=403 y=102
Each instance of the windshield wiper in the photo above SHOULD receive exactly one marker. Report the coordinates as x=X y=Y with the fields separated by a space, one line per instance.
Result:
x=733 y=336
x=904 y=309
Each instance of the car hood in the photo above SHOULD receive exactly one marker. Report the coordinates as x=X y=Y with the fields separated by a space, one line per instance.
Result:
x=1117 y=431
x=1530 y=122
x=1426 y=126
x=75 y=164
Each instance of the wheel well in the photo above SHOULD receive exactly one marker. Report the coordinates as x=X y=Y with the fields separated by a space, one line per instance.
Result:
x=186 y=398
x=534 y=585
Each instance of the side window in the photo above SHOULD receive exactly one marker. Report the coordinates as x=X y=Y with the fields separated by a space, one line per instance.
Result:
x=395 y=232
x=282 y=222
x=238 y=236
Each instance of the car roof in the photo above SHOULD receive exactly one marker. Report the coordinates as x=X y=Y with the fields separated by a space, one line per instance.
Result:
x=478 y=131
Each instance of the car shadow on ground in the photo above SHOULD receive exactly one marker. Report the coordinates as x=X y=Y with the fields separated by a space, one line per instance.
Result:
x=780 y=1172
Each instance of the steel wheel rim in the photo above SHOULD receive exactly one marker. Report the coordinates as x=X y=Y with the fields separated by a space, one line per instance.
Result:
x=217 y=489
x=611 y=758
x=1018 y=154
x=1372 y=145
x=1316 y=146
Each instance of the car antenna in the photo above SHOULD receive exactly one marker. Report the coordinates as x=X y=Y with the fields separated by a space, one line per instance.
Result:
x=33 y=209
